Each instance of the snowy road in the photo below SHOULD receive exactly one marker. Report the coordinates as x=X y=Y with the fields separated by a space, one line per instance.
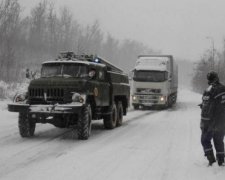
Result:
x=157 y=145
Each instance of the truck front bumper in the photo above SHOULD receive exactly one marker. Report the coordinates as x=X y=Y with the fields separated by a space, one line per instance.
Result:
x=46 y=109
x=149 y=100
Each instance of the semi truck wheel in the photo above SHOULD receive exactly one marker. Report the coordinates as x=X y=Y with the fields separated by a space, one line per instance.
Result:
x=119 y=114
x=111 y=119
x=136 y=107
x=26 y=126
x=84 y=123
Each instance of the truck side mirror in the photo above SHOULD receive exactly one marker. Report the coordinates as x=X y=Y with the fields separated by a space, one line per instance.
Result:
x=131 y=74
x=170 y=78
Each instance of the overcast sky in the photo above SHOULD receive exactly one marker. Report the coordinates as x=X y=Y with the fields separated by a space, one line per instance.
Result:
x=177 y=27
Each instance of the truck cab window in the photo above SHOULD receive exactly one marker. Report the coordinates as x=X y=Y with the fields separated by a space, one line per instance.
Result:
x=60 y=69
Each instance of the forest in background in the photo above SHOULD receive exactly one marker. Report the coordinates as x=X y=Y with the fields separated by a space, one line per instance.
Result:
x=211 y=60
x=28 y=40
x=25 y=42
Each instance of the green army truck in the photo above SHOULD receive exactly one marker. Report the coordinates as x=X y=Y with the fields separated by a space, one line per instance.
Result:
x=72 y=91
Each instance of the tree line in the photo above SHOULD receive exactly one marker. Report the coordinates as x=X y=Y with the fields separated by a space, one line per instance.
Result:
x=211 y=60
x=25 y=42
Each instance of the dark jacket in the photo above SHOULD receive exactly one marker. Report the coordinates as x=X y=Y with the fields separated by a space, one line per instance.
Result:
x=213 y=108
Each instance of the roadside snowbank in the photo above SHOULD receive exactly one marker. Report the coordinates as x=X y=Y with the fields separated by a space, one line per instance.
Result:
x=8 y=91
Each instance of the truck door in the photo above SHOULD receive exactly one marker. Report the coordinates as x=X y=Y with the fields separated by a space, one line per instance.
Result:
x=104 y=87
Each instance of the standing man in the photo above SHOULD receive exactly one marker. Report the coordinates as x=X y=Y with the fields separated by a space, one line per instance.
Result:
x=213 y=119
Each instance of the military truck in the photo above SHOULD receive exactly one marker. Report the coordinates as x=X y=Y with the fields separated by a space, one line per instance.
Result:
x=72 y=91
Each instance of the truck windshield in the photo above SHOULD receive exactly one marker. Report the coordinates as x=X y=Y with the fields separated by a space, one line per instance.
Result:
x=150 y=76
x=65 y=70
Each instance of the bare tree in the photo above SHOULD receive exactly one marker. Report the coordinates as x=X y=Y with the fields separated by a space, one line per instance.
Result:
x=38 y=28
x=9 y=33
x=65 y=27
x=43 y=33
x=92 y=38
x=110 y=48
x=52 y=34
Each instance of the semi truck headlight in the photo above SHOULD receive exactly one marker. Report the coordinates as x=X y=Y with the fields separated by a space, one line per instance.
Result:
x=78 y=98
x=162 y=98
x=134 y=98
x=20 y=97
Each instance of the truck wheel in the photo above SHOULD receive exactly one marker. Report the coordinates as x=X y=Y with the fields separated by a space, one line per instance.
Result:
x=170 y=103
x=84 y=123
x=136 y=107
x=119 y=114
x=26 y=126
x=111 y=119
x=175 y=98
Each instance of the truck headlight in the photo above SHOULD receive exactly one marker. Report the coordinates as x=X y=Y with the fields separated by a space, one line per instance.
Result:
x=162 y=98
x=134 y=98
x=20 y=97
x=78 y=98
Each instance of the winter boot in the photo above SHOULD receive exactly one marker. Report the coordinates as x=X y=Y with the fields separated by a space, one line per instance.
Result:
x=220 y=159
x=211 y=158
x=221 y=163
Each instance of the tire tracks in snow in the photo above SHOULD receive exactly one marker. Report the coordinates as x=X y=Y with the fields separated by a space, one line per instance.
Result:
x=112 y=162
x=32 y=154
x=39 y=150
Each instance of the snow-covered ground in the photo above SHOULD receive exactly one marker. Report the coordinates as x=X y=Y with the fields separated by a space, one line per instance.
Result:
x=156 y=145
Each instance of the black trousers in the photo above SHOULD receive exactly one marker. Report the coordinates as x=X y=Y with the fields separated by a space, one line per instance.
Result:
x=217 y=137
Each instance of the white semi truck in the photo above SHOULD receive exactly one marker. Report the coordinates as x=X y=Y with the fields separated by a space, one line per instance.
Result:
x=154 y=81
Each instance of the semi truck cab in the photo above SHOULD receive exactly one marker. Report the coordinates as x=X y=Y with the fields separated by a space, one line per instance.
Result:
x=154 y=81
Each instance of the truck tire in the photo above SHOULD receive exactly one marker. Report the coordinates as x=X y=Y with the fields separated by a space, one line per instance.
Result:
x=26 y=126
x=136 y=107
x=175 y=98
x=171 y=101
x=110 y=120
x=119 y=114
x=84 y=123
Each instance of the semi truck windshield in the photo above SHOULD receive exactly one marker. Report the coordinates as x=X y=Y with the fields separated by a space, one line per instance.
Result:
x=150 y=76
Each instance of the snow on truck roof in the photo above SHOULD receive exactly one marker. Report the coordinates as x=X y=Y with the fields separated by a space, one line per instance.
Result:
x=156 y=63
x=154 y=68
x=70 y=57
x=72 y=62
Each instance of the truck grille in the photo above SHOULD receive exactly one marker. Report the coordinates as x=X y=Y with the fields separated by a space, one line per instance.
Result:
x=147 y=91
x=38 y=95
x=146 y=99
